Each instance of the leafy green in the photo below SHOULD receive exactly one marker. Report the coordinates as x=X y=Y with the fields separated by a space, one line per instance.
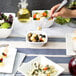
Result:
x=72 y=4
x=46 y=12
x=5 y=25
x=61 y=20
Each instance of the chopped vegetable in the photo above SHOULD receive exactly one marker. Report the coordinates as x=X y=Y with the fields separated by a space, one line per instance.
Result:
x=4 y=54
x=33 y=37
x=38 y=19
x=5 y=25
x=5 y=22
x=34 y=16
x=61 y=20
x=42 y=70
x=45 y=13
x=1 y=59
x=46 y=68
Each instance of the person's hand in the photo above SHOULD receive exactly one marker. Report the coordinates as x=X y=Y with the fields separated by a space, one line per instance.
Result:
x=64 y=12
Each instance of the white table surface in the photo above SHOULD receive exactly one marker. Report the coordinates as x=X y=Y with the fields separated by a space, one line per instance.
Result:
x=20 y=29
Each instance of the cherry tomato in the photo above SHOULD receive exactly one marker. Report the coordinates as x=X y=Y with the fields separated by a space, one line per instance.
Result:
x=44 y=14
x=34 y=16
x=45 y=68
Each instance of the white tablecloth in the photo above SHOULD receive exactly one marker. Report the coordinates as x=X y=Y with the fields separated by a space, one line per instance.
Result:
x=20 y=29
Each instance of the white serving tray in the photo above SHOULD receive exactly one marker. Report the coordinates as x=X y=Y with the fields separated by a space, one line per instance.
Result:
x=9 y=61
x=70 y=44
x=26 y=67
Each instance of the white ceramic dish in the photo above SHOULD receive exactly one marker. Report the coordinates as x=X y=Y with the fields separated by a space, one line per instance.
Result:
x=43 y=22
x=8 y=62
x=25 y=68
x=70 y=44
x=36 y=43
x=4 y=33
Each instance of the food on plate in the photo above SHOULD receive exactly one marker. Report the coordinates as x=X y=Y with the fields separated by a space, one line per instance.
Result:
x=45 y=14
x=3 y=55
x=1 y=59
x=5 y=21
x=33 y=37
x=42 y=70
x=8 y=58
x=5 y=52
x=37 y=16
x=41 y=15
x=5 y=25
x=61 y=20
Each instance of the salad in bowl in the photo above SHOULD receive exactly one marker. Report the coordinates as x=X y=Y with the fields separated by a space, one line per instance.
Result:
x=6 y=24
x=40 y=18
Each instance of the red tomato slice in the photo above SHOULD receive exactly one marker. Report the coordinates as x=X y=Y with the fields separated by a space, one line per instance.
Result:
x=45 y=68
x=44 y=14
x=34 y=16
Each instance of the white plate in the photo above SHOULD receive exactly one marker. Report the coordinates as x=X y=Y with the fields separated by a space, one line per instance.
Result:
x=70 y=44
x=26 y=67
x=43 y=22
x=9 y=61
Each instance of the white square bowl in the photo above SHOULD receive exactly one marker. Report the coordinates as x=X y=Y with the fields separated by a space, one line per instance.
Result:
x=43 y=22
x=25 y=68
x=4 y=33
x=36 y=43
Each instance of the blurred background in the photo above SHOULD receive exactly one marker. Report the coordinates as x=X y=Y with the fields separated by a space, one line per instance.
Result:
x=11 y=5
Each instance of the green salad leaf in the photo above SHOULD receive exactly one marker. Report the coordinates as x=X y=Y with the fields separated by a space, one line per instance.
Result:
x=5 y=25
x=61 y=20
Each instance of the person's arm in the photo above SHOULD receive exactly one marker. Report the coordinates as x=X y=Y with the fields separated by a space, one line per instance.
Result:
x=64 y=12
x=73 y=13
